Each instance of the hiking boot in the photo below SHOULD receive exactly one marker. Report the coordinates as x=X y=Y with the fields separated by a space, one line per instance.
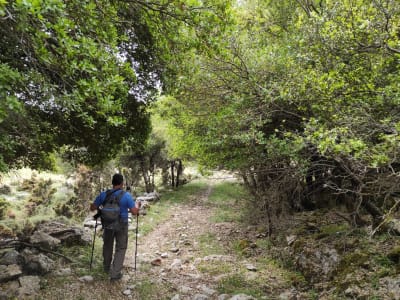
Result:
x=117 y=277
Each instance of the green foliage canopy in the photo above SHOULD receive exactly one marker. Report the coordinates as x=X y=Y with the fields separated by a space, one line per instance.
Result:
x=299 y=96
x=290 y=73
x=64 y=82
x=79 y=74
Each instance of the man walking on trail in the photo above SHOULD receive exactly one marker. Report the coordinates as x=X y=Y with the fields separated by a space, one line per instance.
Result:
x=113 y=265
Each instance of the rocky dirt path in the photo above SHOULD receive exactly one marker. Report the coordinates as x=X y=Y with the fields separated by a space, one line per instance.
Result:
x=172 y=257
x=169 y=254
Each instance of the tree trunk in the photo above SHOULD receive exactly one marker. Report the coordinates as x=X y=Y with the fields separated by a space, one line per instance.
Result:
x=172 y=173
x=178 y=172
x=374 y=211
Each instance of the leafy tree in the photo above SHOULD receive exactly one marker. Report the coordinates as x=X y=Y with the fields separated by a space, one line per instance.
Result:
x=64 y=82
x=301 y=99
x=78 y=75
x=145 y=161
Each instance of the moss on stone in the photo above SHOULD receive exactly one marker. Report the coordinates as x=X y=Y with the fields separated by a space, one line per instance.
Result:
x=351 y=262
x=331 y=230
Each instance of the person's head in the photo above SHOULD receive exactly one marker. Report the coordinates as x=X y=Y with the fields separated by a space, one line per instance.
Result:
x=117 y=179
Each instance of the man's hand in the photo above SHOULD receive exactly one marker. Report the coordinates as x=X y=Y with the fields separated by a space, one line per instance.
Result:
x=93 y=207
x=134 y=211
x=96 y=216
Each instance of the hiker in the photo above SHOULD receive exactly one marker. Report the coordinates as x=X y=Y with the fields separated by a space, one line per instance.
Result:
x=113 y=264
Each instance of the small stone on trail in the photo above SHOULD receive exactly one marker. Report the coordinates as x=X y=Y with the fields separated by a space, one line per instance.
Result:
x=174 y=250
x=164 y=255
x=251 y=275
x=126 y=292
x=185 y=289
x=63 y=272
x=207 y=290
x=30 y=285
x=242 y=297
x=200 y=297
x=291 y=239
x=156 y=262
x=250 y=267
x=176 y=264
x=86 y=278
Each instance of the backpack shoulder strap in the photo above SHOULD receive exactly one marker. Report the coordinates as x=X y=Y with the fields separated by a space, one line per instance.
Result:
x=119 y=197
x=108 y=195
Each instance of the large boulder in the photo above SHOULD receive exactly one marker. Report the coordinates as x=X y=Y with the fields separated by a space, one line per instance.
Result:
x=11 y=257
x=44 y=240
x=68 y=235
x=9 y=272
x=154 y=196
x=29 y=286
x=36 y=264
x=317 y=263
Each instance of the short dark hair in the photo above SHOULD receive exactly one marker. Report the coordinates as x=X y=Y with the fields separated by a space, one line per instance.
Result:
x=117 y=179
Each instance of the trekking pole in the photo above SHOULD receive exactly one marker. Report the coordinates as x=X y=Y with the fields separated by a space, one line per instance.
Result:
x=96 y=216
x=94 y=239
x=137 y=229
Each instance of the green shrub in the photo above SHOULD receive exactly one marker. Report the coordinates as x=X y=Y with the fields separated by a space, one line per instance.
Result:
x=4 y=205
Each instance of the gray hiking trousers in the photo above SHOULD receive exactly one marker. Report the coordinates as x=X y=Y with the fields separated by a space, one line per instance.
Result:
x=114 y=264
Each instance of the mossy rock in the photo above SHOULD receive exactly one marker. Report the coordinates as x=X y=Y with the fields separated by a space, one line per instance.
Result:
x=346 y=273
x=351 y=262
